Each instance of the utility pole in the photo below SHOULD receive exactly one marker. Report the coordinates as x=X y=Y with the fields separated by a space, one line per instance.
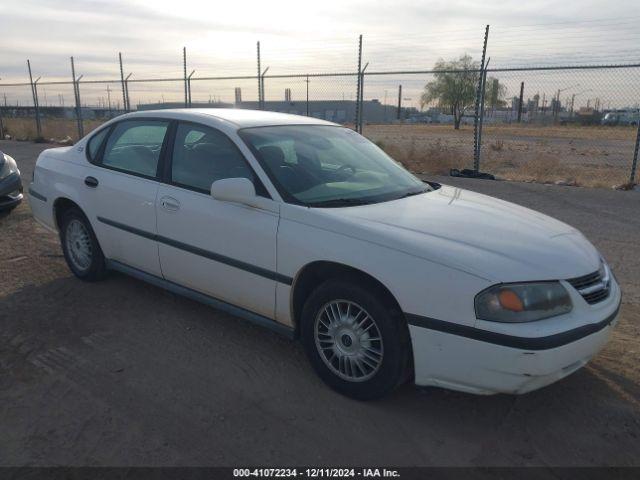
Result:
x=399 y=102
x=520 y=103
x=109 y=98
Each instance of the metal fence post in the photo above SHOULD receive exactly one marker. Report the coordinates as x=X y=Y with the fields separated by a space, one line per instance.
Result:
x=476 y=118
x=189 y=85
x=127 y=106
x=399 y=102
x=80 y=106
x=357 y=117
x=34 y=93
x=634 y=164
x=262 y=86
x=184 y=69
x=259 y=80
x=362 y=97
x=307 y=80
x=124 y=94
x=481 y=122
x=77 y=99
x=37 y=103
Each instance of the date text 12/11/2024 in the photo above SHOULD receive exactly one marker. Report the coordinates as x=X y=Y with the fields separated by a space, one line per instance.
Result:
x=316 y=473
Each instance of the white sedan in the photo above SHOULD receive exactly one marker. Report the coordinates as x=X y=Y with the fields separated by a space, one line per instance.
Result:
x=308 y=228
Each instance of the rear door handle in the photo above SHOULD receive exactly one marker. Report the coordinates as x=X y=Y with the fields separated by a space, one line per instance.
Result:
x=91 y=182
x=170 y=204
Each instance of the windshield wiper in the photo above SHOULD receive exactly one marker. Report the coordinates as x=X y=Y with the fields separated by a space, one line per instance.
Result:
x=410 y=194
x=339 y=202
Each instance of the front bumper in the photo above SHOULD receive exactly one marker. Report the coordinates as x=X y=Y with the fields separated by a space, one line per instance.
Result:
x=484 y=364
x=10 y=191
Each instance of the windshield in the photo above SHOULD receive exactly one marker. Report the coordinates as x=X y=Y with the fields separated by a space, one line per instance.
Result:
x=327 y=166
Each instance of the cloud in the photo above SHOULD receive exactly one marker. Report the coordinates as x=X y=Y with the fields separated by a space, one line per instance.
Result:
x=300 y=37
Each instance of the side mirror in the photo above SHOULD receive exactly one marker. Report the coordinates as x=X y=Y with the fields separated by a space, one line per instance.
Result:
x=237 y=190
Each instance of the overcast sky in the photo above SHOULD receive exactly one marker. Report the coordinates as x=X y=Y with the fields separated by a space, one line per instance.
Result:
x=302 y=36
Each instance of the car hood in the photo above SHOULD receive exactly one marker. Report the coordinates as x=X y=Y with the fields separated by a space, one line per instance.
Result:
x=476 y=233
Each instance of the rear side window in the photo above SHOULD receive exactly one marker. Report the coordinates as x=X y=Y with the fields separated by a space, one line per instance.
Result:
x=94 y=144
x=202 y=155
x=134 y=146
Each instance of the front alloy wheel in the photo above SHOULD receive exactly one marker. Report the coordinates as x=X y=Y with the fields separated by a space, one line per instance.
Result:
x=354 y=338
x=348 y=340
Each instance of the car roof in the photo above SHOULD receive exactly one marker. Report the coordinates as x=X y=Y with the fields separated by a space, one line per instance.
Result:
x=238 y=117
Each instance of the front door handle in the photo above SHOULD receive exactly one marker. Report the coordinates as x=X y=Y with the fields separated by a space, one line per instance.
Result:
x=91 y=182
x=170 y=204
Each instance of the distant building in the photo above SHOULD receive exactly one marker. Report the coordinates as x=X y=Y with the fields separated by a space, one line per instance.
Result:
x=338 y=111
x=167 y=105
x=88 y=113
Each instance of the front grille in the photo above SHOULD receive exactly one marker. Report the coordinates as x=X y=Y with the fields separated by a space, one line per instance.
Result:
x=593 y=287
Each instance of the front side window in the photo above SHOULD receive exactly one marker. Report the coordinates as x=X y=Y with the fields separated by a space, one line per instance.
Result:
x=134 y=146
x=202 y=155
x=327 y=166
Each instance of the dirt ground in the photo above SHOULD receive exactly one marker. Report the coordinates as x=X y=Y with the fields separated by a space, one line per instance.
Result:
x=123 y=373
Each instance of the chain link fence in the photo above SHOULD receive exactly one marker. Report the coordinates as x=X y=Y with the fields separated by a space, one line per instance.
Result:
x=575 y=125
x=562 y=125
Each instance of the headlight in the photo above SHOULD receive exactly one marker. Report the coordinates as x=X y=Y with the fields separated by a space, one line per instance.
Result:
x=522 y=302
x=7 y=166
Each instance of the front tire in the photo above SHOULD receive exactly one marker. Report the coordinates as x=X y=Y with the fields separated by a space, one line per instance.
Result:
x=356 y=343
x=80 y=247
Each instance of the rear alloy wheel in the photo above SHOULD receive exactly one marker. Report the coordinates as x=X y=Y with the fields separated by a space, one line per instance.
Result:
x=80 y=246
x=357 y=344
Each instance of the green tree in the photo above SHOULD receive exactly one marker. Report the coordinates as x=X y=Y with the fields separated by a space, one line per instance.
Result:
x=454 y=86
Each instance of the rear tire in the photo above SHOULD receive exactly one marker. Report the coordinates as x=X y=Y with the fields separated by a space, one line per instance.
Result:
x=357 y=344
x=80 y=247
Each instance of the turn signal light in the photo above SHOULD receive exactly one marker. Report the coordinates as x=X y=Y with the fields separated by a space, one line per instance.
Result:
x=509 y=300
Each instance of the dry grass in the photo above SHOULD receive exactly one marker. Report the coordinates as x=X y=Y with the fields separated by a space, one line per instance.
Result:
x=433 y=159
x=497 y=145
x=586 y=156
x=52 y=128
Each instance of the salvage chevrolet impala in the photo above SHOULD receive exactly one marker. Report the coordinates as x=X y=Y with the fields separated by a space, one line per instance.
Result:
x=308 y=228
